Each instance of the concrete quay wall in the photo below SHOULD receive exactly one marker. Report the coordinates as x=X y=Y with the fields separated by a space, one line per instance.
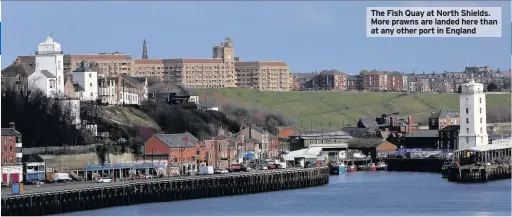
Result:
x=415 y=165
x=162 y=190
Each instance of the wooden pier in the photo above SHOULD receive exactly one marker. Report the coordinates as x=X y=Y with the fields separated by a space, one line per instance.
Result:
x=473 y=173
x=160 y=190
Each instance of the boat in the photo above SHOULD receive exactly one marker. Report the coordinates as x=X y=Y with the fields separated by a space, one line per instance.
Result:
x=372 y=167
x=352 y=168
x=446 y=168
x=382 y=166
x=337 y=169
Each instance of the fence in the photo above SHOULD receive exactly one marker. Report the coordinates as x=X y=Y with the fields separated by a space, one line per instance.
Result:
x=59 y=150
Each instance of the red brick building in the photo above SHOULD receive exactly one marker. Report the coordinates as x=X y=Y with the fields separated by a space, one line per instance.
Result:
x=397 y=82
x=182 y=151
x=224 y=152
x=354 y=82
x=12 y=169
x=374 y=80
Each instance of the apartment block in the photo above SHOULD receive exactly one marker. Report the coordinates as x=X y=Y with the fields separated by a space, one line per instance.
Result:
x=263 y=75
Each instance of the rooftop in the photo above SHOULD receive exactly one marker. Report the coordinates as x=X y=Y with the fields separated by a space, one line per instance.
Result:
x=10 y=132
x=178 y=140
x=47 y=74
x=364 y=142
x=445 y=113
x=450 y=128
x=17 y=68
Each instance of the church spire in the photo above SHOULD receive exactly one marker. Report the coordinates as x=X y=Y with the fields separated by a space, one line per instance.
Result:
x=144 y=50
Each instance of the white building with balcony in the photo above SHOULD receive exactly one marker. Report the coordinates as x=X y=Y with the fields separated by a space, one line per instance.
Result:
x=50 y=57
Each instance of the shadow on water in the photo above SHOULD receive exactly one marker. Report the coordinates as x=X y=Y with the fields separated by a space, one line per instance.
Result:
x=358 y=193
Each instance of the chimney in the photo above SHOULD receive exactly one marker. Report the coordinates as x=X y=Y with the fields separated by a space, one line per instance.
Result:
x=12 y=125
x=18 y=60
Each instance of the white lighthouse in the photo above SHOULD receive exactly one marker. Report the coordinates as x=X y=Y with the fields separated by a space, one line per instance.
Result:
x=50 y=57
x=473 y=123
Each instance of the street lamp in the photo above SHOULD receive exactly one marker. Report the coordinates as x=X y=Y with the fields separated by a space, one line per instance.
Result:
x=152 y=156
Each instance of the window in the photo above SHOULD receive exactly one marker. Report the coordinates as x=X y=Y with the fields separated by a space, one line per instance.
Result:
x=467 y=111
x=482 y=139
x=467 y=139
x=10 y=159
x=91 y=94
x=467 y=130
x=90 y=84
x=90 y=75
x=481 y=130
x=467 y=120
x=480 y=110
x=480 y=99
x=481 y=120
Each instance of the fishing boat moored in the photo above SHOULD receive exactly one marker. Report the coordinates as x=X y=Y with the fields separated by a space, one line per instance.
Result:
x=352 y=168
x=382 y=166
x=373 y=167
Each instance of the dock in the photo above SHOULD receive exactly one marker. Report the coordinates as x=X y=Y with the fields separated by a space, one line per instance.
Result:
x=474 y=173
x=90 y=196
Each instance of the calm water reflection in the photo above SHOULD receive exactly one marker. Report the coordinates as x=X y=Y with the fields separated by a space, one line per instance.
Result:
x=360 y=193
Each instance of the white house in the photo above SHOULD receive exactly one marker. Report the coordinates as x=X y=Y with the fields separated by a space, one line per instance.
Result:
x=107 y=91
x=128 y=94
x=473 y=123
x=44 y=81
x=50 y=57
x=194 y=99
x=86 y=78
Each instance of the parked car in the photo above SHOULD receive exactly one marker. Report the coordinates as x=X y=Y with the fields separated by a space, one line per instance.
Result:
x=238 y=168
x=104 y=179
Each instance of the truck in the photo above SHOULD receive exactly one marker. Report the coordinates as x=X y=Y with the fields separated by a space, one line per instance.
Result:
x=205 y=170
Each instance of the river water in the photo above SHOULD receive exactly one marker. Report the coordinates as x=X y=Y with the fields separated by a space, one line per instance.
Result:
x=358 y=193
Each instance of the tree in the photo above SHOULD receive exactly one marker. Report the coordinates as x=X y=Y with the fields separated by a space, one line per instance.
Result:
x=492 y=87
x=101 y=152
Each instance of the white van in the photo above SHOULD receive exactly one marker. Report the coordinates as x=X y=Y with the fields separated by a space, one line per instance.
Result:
x=61 y=177
x=205 y=170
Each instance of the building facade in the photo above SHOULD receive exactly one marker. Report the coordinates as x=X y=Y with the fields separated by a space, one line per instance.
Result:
x=263 y=75
x=87 y=78
x=12 y=169
x=50 y=57
x=442 y=118
x=44 y=81
x=473 y=124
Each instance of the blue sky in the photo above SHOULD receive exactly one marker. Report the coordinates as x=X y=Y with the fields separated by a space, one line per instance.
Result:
x=307 y=35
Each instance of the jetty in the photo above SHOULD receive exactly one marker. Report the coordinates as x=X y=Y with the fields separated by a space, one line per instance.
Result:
x=80 y=197
x=481 y=163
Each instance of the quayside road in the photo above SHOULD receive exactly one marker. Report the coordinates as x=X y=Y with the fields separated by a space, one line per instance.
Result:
x=33 y=189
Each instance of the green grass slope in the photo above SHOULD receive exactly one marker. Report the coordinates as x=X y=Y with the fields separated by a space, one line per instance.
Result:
x=320 y=109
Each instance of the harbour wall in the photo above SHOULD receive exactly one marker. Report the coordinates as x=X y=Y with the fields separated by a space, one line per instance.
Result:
x=161 y=190
x=415 y=164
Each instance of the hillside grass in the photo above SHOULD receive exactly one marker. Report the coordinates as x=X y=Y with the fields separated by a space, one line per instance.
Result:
x=319 y=109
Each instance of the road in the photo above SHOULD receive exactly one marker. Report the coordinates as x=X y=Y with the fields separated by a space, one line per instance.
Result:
x=32 y=189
